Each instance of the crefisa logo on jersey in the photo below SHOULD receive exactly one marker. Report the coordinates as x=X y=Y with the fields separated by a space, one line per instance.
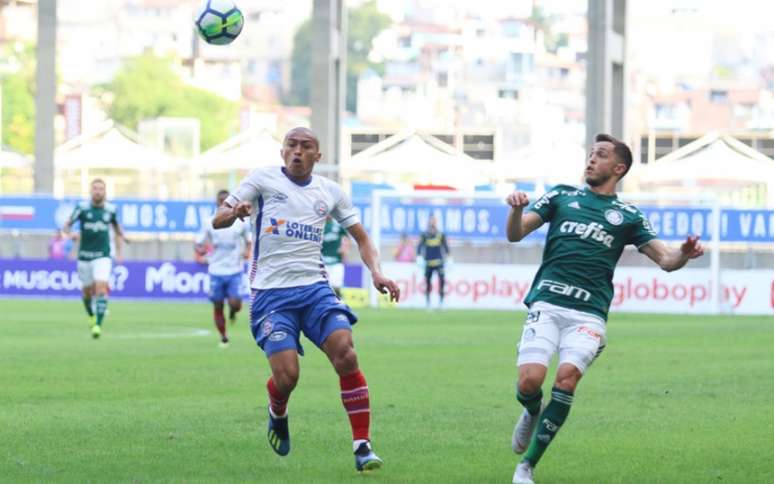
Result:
x=614 y=216
x=321 y=208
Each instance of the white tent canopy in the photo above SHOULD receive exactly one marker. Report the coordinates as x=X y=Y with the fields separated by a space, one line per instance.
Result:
x=416 y=158
x=548 y=163
x=245 y=151
x=109 y=147
x=12 y=159
x=712 y=158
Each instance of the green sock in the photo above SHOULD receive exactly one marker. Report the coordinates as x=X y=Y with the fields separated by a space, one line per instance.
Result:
x=531 y=402
x=101 y=308
x=87 y=304
x=551 y=421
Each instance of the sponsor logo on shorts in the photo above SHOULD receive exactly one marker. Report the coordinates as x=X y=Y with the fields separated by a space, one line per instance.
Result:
x=266 y=327
x=533 y=316
x=590 y=332
x=278 y=336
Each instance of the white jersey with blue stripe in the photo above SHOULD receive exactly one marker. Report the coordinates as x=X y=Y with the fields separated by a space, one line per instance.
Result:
x=287 y=225
x=228 y=246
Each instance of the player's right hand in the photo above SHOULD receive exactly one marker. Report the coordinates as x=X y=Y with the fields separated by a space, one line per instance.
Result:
x=384 y=285
x=517 y=200
x=243 y=209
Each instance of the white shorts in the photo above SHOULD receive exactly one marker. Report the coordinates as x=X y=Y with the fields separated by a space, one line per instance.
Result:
x=336 y=275
x=579 y=336
x=90 y=271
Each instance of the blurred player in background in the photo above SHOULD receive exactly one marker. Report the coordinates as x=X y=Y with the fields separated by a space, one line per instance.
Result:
x=230 y=248
x=94 y=256
x=291 y=294
x=335 y=247
x=432 y=252
x=572 y=290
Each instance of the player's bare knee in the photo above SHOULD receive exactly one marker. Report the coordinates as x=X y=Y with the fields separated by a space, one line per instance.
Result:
x=285 y=379
x=529 y=385
x=567 y=378
x=345 y=361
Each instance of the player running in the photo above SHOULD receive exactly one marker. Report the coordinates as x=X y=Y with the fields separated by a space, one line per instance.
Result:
x=572 y=290
x=94 y=262
x=231 y=247
x=291 y=295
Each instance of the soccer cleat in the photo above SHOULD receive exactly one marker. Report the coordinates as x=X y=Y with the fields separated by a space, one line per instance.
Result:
x=96 y=330
x=279 y=435
x=365 y=459
x=523 y=474
x=522 y=432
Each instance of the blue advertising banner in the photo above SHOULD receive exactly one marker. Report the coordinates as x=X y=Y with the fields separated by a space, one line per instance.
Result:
x=481 y=220
x=46 y=214
x=136 y=279
x=484 y=220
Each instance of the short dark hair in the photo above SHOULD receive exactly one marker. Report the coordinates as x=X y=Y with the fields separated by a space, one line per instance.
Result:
x=221 y=193
x=622 y=152
x=98 y=180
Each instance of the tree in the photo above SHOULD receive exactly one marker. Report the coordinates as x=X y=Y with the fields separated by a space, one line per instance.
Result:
x=363 y=24
x=148 y=87
x=18 y=107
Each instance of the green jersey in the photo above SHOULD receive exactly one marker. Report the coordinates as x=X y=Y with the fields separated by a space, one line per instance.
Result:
x=586 y=236
x=95 y=229
x=333 y=234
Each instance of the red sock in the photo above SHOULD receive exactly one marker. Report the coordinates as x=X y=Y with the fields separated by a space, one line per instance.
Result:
x=354 y=396
x=277 y=401
x=220 y=322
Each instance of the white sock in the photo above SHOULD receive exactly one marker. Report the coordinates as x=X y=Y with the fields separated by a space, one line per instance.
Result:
x=356 y=444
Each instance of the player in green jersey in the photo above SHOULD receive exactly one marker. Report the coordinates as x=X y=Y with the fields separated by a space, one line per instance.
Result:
x=572 y=290
x=335 y=245
x=94 y=258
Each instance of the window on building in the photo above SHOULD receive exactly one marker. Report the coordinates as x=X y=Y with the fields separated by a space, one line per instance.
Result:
x=718 y=96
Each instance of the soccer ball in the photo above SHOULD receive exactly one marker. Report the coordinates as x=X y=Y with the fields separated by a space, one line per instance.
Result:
x=219 y=21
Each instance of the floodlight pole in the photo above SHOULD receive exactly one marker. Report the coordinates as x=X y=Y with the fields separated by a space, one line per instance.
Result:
x=605 y=69
x=45 y=97
x=328 y=87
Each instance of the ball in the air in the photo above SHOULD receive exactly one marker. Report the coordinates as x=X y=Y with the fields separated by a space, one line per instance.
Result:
x=219 y=22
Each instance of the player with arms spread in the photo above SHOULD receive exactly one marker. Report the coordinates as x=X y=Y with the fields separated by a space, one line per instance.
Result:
x=572 y=290
x=225 y=266
x=291 y=294
x=94 y=263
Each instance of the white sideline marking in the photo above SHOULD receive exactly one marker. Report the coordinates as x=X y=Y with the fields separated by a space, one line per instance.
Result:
x=180 y=334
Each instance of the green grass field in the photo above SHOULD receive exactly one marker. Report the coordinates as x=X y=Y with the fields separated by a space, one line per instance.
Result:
x=673 y=399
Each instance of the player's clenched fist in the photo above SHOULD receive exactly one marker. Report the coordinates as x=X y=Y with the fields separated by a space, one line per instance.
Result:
x=517 y=200
x=243 y=209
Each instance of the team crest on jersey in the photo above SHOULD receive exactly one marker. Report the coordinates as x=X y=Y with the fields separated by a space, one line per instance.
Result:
x=88 y=215
x=106 y=217
x=321 y=208
x=614 y=217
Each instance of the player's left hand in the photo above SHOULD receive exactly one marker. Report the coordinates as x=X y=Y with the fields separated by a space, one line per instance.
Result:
x=691 y=248
x=384 y=285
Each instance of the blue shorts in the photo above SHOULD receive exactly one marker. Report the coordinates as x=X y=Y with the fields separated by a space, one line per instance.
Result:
x=279 y=316
x=222 y=287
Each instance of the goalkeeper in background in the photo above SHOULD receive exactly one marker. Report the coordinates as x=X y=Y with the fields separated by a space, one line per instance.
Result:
x=432 y=252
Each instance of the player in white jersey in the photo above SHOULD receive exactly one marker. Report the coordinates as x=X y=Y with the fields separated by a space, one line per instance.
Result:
x=290 y=290
x=231 y=247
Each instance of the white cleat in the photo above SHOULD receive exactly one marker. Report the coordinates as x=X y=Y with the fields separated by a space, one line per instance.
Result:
x=523 y=474
x=522 y=432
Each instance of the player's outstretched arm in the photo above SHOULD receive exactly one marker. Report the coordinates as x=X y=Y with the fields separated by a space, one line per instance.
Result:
x=673 y=259
x=519 y=224
x=370 y=257
x=226 y=214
